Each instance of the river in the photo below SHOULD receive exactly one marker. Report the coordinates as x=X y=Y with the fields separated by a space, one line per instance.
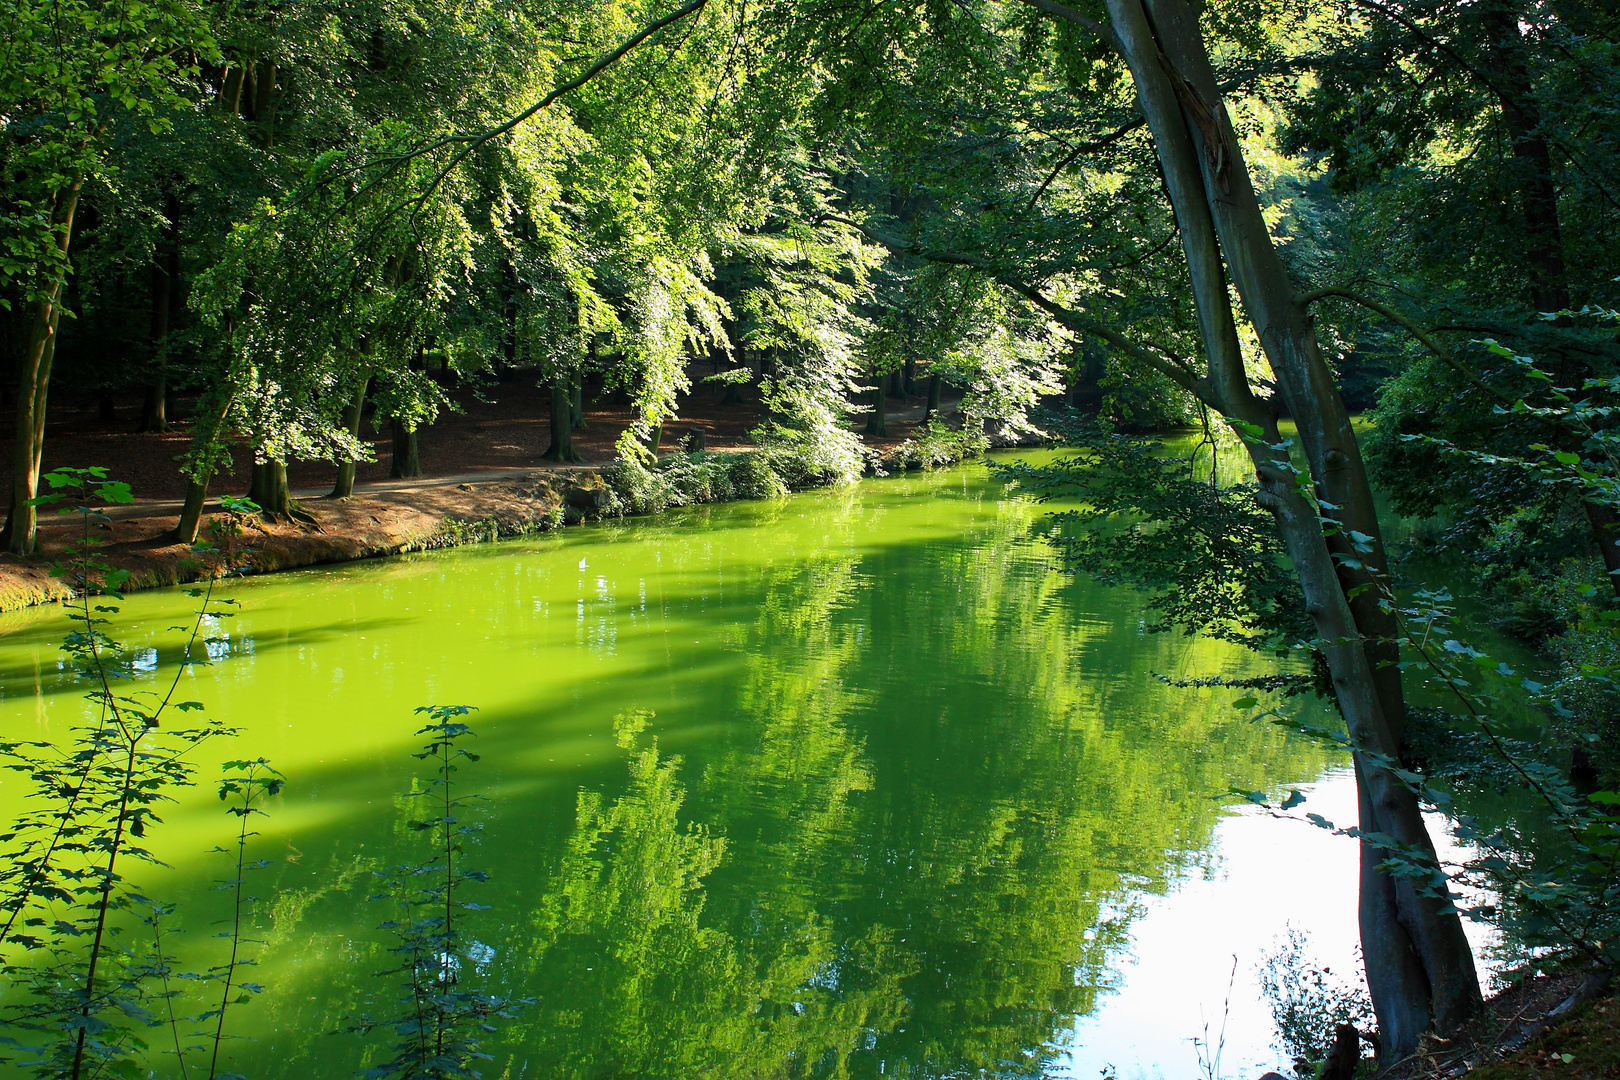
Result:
x=856 y=783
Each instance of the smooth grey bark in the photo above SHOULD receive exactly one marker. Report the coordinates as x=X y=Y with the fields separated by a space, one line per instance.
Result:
x=1420 y=969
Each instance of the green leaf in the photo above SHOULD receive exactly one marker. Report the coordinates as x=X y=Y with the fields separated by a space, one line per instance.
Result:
x=1245 y=703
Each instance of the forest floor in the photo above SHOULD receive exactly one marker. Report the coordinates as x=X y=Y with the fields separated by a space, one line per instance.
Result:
x=481 y=461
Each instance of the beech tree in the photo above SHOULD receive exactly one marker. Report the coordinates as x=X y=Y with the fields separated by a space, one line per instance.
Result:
x=990 y=106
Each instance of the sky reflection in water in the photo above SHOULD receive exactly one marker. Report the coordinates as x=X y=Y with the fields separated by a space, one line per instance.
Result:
x=911 y=802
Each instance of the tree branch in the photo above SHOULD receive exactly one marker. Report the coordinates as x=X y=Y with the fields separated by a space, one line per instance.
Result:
x=1067 y=13
x=1169 y=364
x=1083 y=148
x=1496 y=90
x=1423 y=337
x=469 y=143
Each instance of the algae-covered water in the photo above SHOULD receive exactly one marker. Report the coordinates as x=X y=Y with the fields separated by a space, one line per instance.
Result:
x=910 y=802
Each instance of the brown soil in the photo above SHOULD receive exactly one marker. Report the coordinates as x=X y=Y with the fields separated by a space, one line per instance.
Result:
x=482 y=464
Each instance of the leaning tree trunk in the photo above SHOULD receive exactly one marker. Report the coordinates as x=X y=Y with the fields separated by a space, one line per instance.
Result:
x=351 y=423
x=562 y=424
x=205 y=447
x=407 y=463
x=33 y=380
x=1420 y=969
x=877 y=421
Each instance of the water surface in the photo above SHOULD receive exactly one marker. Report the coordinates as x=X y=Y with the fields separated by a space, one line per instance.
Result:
x=909 y=801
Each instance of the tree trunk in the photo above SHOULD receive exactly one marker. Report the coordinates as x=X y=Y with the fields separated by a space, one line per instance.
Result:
x=1085 y=391
x=407 y=463
x=155 y=406
x=577 y=405
x=107 y=408
x=165 y=272
x=932 y=411
x=562 y=424
x=1420 y=970
x=230 y=90
x=204 y=447
x=909 y=387
x=1543 y=236
x=655 y=438
x=1532 y=164
x=33 y=381
x=268 y=488
x=897 y=384
x=877 y=421
x=733 y=391
x=192 y=510
x=351 y=423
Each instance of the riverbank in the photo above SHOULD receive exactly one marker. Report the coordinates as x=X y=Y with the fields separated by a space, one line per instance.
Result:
x=1553 y=1027
x=392 y=517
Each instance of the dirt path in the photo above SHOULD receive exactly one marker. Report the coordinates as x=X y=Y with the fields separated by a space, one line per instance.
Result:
x=498 y=430
x=485 y=478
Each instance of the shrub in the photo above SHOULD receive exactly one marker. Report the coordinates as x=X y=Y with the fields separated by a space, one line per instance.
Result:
x=1308 y=1001
x=935 y=445
x=755 y=479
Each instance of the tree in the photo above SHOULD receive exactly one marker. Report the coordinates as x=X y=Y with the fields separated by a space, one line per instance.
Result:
x=1473 y=148
x=1419 y=966
x=72 y=74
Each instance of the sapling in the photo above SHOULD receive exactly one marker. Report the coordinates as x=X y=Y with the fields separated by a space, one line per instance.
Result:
x=245 y=786
x=439 y=1022
x=63 y=886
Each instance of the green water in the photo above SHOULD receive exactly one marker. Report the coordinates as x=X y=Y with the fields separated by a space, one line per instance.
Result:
x=904 y=795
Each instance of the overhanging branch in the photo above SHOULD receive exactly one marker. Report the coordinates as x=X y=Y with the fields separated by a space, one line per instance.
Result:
x=1423 y=337
x=1069 y=14
x=470 y=143
x=1168 y=364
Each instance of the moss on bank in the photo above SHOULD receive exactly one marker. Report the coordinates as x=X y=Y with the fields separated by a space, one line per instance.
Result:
x=1585 y=1048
